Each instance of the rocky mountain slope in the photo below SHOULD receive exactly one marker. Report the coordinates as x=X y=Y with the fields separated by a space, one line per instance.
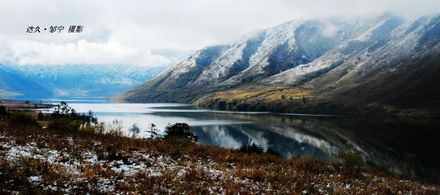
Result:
x=376 y=64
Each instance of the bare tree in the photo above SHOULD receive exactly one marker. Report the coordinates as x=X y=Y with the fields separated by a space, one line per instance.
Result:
x=134 y=130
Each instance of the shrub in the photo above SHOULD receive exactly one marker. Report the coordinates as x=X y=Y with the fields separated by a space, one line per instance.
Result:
x=272 y=152
x=23 y=121
x=179 y=130
x=252 y=148
x=114 y=128
x=65 y=124
x=134 y=130
x=99 y=128
x=352 y=161
x=153 y=131
x=116 y=132
x=2 y=110
x=65 y=118
x=40 y=116
x=87 y=128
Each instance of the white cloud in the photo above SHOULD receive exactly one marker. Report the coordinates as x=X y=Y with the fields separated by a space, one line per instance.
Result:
x=130 y=32
x=330 y=30
x=81 y=52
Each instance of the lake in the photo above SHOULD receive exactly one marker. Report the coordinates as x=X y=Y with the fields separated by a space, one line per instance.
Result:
x=396 y=146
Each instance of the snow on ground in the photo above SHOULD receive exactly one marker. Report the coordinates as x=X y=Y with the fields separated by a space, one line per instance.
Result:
x=149 y=164
x=66 y=166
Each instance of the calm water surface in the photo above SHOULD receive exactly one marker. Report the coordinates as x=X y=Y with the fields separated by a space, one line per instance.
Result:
x=400 y=147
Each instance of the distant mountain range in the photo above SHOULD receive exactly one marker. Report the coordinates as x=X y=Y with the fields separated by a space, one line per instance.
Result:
x=71 y=80
x=375 y=65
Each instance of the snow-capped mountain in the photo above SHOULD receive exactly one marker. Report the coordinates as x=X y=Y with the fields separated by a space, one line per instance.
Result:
x=72 y=80
x=266 y=52
x=332 y=57
x=14 y=83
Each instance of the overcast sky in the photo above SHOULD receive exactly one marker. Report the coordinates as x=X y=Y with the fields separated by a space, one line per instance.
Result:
x=159 y=32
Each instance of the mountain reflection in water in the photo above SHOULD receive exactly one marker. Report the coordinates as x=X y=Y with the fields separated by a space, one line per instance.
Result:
x=397 y=146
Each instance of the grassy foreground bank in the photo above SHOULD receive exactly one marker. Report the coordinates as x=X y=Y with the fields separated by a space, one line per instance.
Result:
x=37 y=157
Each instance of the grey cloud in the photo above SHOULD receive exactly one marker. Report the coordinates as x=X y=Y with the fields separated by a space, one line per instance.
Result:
x=141 y=28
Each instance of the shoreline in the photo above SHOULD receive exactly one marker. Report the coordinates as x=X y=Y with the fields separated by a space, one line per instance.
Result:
x=312 y=111
x=25 y=104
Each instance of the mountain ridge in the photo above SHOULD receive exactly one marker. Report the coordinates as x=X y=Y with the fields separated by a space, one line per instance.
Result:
x=71 y=80
x=331 y=59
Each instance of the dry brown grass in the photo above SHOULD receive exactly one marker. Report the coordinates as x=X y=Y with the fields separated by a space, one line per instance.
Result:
x=263 y=98
x=263 y=93
x=238 y=172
